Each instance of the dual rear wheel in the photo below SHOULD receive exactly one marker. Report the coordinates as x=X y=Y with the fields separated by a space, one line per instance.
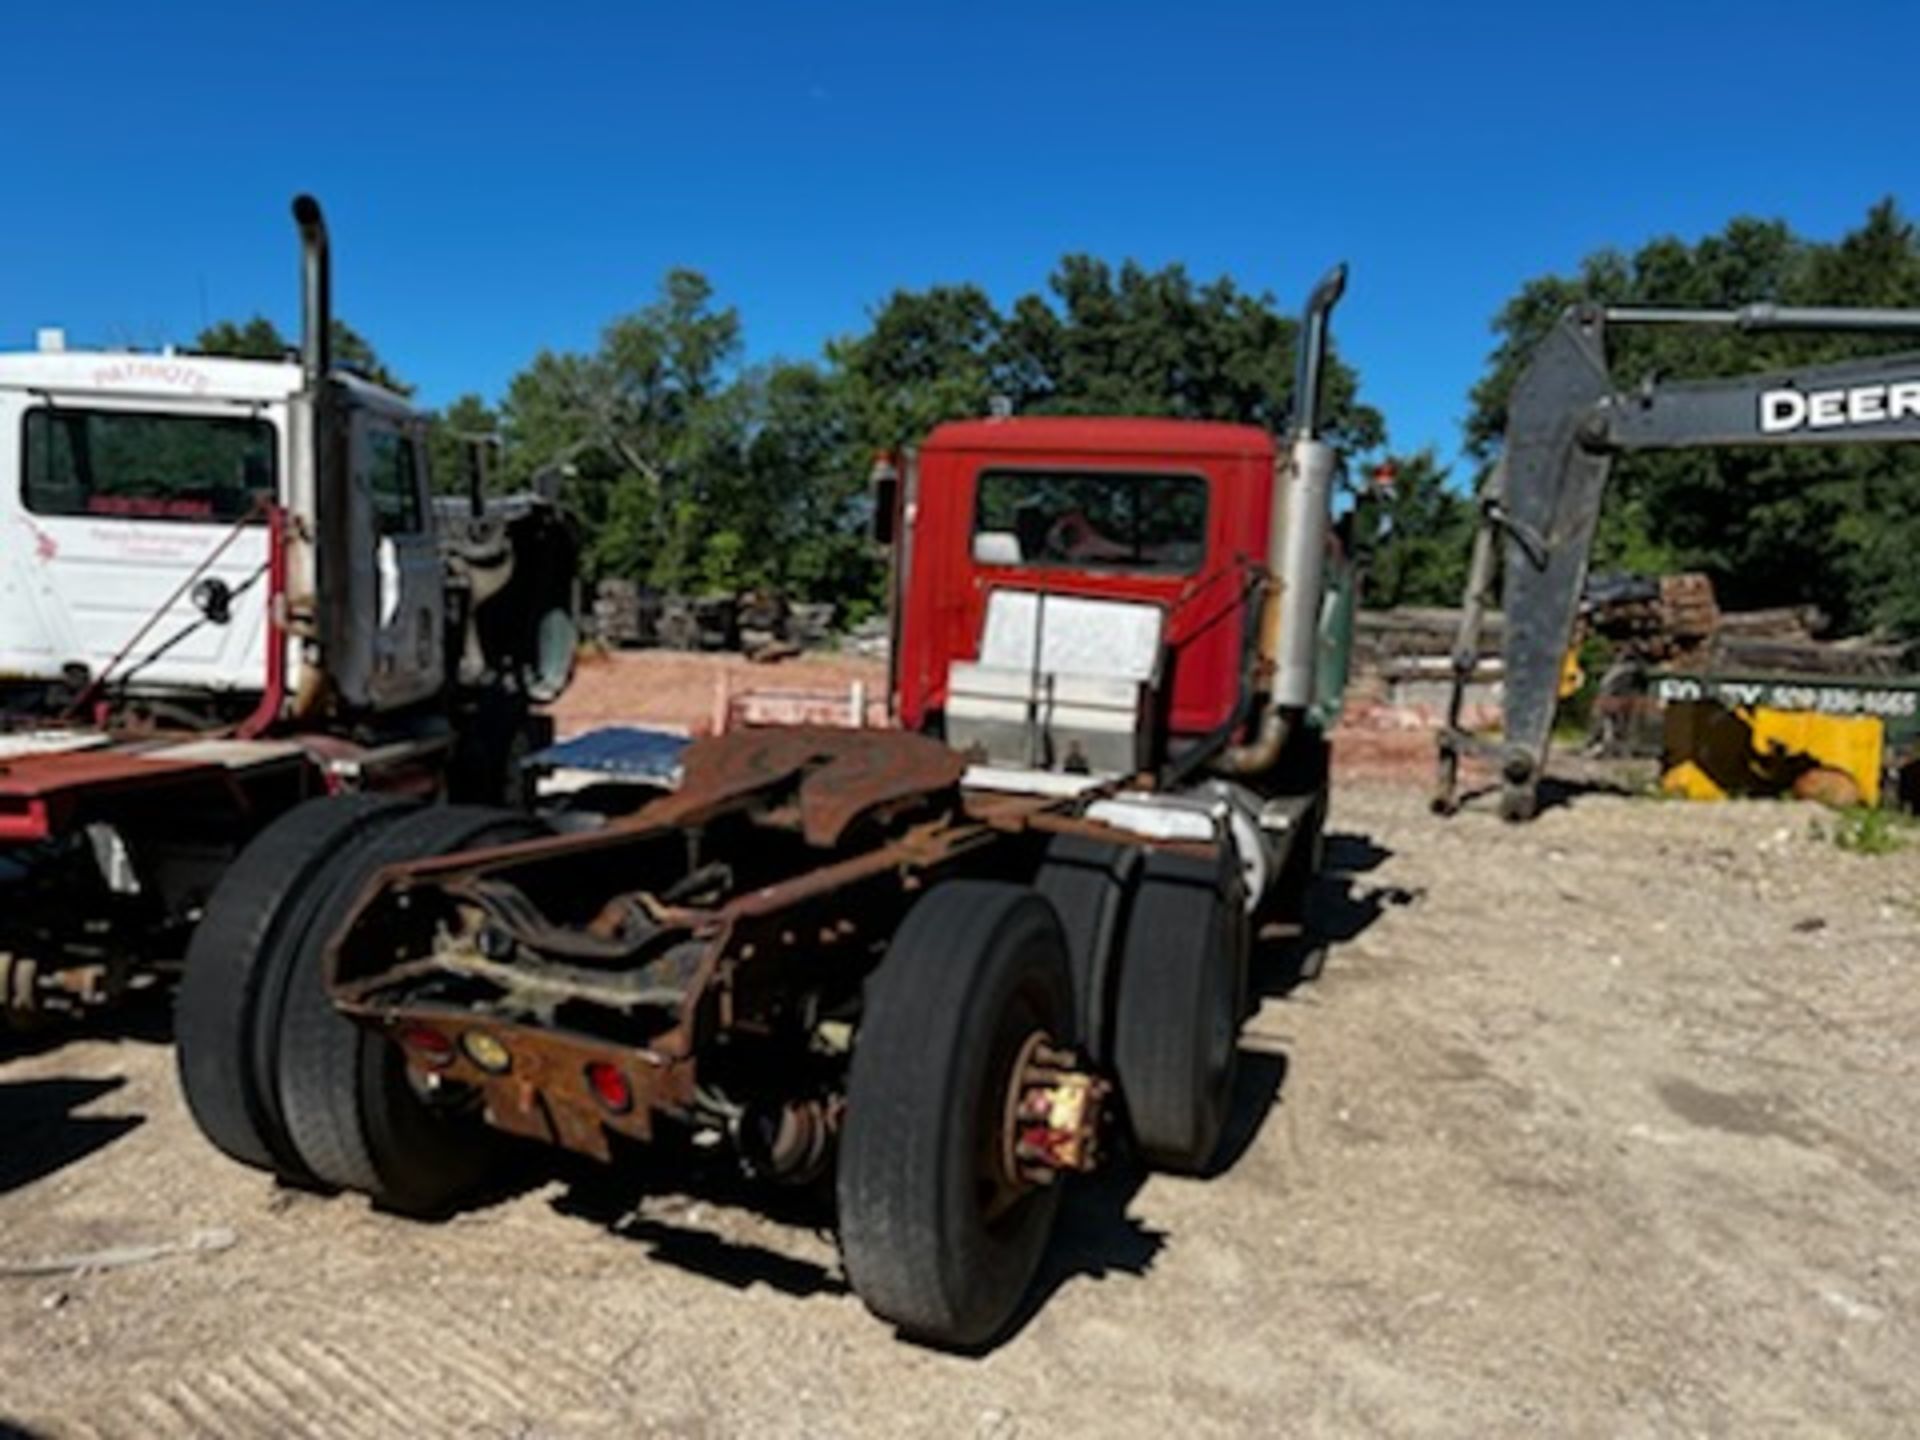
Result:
x=940 y=1233
x=273 y=1075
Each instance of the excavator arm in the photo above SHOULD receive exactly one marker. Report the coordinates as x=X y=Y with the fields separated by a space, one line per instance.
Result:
x=1566 y=423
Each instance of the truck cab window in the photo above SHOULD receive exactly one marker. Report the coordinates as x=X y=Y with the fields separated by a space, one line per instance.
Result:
x=394 y=483
x=1092 y=520
x=133 y=465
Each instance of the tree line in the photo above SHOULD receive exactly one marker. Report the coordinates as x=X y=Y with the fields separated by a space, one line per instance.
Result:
x=692 y=470
x=1835 y=527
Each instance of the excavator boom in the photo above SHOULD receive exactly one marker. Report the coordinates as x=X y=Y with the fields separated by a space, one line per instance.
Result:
x=1566 y=422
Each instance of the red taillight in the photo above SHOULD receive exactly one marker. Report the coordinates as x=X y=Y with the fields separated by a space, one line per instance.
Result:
x=426 y=1044
x=610 y=1087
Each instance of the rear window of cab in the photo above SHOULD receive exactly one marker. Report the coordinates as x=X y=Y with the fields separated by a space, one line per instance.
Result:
x=140 y=465
x=1137 y=521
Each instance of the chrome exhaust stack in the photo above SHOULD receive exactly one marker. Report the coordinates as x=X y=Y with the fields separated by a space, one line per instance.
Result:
x=1296 y=547
x=315 y=534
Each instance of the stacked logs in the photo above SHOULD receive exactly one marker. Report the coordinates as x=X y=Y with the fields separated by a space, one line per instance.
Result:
x=757 y=623
x=1672 y=622
x=1414 y=642
x=1668 y=621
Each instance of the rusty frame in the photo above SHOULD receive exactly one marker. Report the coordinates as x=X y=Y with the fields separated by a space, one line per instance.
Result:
x=885 y=813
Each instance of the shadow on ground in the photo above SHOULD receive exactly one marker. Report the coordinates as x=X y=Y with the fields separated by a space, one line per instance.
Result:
x=40 y=1134
x=1617 y=779
x=1341 y=904
x=655 y=1201
x=1097 y=1237
x=657 y=1204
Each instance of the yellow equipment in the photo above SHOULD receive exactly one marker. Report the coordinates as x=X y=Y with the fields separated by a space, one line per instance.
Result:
x=1713 y=751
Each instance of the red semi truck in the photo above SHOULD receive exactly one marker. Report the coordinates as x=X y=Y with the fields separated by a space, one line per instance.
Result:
x=940 y=964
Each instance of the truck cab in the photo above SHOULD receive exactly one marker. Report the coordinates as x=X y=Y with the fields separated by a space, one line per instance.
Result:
x=226 y=586
x=1134 y=515
x=143 y=502
x=1081 y=600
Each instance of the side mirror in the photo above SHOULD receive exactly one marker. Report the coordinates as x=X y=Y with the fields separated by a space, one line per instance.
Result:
x=884 y=485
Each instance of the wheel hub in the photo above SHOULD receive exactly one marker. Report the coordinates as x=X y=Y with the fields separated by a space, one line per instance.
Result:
x=1053 y=1114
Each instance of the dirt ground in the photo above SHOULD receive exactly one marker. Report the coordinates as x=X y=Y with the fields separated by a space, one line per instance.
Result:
x=1609 y=1125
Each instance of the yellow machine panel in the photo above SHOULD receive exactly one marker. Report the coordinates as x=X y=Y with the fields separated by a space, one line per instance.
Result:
x=1713 y=751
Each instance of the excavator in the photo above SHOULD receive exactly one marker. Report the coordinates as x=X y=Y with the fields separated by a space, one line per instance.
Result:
x=1567 y=423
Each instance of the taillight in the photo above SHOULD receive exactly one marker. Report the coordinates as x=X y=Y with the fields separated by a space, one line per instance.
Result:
x=610 y=1087
x=427 y=1045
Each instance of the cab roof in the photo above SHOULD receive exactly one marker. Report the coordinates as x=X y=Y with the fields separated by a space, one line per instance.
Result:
x=1101 y=435
x=149 y=375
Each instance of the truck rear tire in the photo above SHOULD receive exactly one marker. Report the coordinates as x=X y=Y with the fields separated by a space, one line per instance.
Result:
x=936 y=1237
x=1088 y=882
x=1183 y=980
x=352 y=1112
x=226 y=1013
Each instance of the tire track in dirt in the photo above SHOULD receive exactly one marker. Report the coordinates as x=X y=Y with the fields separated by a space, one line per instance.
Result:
x=440 y=1371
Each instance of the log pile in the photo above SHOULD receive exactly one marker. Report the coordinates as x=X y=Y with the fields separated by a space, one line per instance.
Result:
x=1668 y=621
x=1674 y=623
x=1416 y=643
x=677 y=629
x=760 y=624
x=810 y=623
x=624 y=615
x=1806 y=656
x=761 y=618
x=1689 y=612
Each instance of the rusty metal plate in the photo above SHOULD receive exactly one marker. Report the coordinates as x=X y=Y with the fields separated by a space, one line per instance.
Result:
x=837 y=776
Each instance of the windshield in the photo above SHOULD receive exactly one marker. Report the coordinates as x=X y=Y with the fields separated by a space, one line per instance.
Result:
x=147 y=466
x=1092 y=519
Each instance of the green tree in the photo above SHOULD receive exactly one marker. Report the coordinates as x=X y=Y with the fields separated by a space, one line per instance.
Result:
x=1828 y=526
x=462 y=432
x=809 y=463
x=925 y=357
x=645 y=429
x=689 y=471
x=255 y=339
x=1101 y=342
x=1140 y=342
x=1419 y=531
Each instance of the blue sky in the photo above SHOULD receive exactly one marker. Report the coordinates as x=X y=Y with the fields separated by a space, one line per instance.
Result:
x=501 y=178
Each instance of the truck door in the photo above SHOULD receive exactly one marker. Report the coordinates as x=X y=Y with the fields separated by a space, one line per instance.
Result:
x=110 y=510
x=399 y=592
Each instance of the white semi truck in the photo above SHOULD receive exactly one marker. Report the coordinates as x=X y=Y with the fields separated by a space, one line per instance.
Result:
x=224 y=587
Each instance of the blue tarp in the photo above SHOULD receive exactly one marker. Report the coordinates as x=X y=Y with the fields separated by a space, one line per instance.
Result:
x=629 y=751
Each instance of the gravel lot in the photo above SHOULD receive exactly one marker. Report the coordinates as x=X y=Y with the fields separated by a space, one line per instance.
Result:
x=1608 y=1125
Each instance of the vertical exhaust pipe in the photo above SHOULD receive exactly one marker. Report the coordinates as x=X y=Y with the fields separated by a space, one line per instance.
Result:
x=316 y=293
x=1296 y=546
x=315 y=539
x=1310 y=374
